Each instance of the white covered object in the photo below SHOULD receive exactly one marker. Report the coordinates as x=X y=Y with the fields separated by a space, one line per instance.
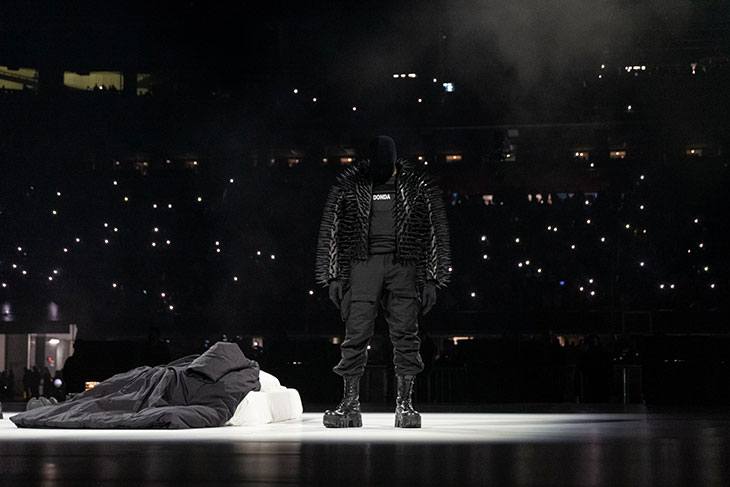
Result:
x=272 y=403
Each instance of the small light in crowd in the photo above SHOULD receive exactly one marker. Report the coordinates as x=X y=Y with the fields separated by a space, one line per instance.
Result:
x=588 y=202
x=126 y=198
x=641 y=264
x=116 y=229
x=154 y=244
x=572 y=246
x=115 y=183
x=550 y=227
x=588 y=221
x=581 y=288
x=593 y=293
x=167 y=242
x=106 y=240
x=114 y=284
x=5 y=284
x=555 y=229
x=369 y=347
x=58 y=193
x=590 y=281
x=54 y=341
x=24 y=272
x=258 y=252
x=527 y=262
x=20 y=249
x=641 y=207
x=420 y=100
x=484 y=256
x=435 y=80
x=697 y=220
x=701 y=245
x=641 y=177
x=171 y=307
x=156 y=229
x=517 y=240
x=162 y=294
x=273 y=257
x=230 y=180
x=628 y=225
x=217 y=242
x=450 y=269
x=50 y=278
x=200 y=199
x=661 y=286
x=689 y=251
x=539 y=270
x=154 y=205
x=169 y=205
x=562 y=283
x=603 y=66
x=672 y=286
x=484 y=238
x=311 y=292
x=411 y=75
x=15 y=266
x=106 y=225
x=235 y=278
x=707 y=268
x=603 y=239
x=519 y=264
x=296 y=90
x=314 y=99
x=54 y=212
x=473 y=295
x=354 y=109
x=712 y=286
x=78 y=239
x=55 y=271
x=218 y=250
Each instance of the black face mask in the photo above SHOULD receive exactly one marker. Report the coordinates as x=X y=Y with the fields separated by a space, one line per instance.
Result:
x=382 y=158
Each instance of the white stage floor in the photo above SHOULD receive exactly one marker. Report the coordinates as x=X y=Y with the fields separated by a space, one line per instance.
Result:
x=481 y=449
x=378 y=427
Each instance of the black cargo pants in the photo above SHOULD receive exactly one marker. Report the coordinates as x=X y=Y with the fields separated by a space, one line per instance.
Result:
x=380 y=279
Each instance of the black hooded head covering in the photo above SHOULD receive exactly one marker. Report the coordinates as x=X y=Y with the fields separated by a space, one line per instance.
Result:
x=382 y=158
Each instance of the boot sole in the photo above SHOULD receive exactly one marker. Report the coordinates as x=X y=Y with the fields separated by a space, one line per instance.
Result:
x=351 y=421
x=407 y=422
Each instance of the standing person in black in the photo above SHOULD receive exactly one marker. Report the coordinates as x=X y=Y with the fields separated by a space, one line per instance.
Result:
x=383 y=240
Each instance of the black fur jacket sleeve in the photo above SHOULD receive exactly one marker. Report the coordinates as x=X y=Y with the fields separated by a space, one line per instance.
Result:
x=422 y=230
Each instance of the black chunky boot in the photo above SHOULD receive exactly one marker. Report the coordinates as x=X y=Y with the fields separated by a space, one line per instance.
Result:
x=405 y=415
x=347 y=414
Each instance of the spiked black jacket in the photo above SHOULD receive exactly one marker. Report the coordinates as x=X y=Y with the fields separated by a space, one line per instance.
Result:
x=422 y=233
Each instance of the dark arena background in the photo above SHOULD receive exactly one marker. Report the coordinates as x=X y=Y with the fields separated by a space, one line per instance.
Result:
x=163 y=172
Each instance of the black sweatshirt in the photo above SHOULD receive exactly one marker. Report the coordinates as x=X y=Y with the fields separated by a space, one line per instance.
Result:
x=382 y=225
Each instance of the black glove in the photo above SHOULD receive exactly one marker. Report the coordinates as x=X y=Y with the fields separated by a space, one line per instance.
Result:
x=428 y=296
x=336 y=292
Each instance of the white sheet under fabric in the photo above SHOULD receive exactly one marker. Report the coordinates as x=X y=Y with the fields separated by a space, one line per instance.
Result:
x=271 y=404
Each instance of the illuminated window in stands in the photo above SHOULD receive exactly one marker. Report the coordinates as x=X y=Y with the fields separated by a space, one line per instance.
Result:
x=346 y=160
x=581 y=155
x=292 y=161
x=453 y=157
x=509 y=157
x=618 y=154
x=694 y=152
x=191 y=164
x=142 y=167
